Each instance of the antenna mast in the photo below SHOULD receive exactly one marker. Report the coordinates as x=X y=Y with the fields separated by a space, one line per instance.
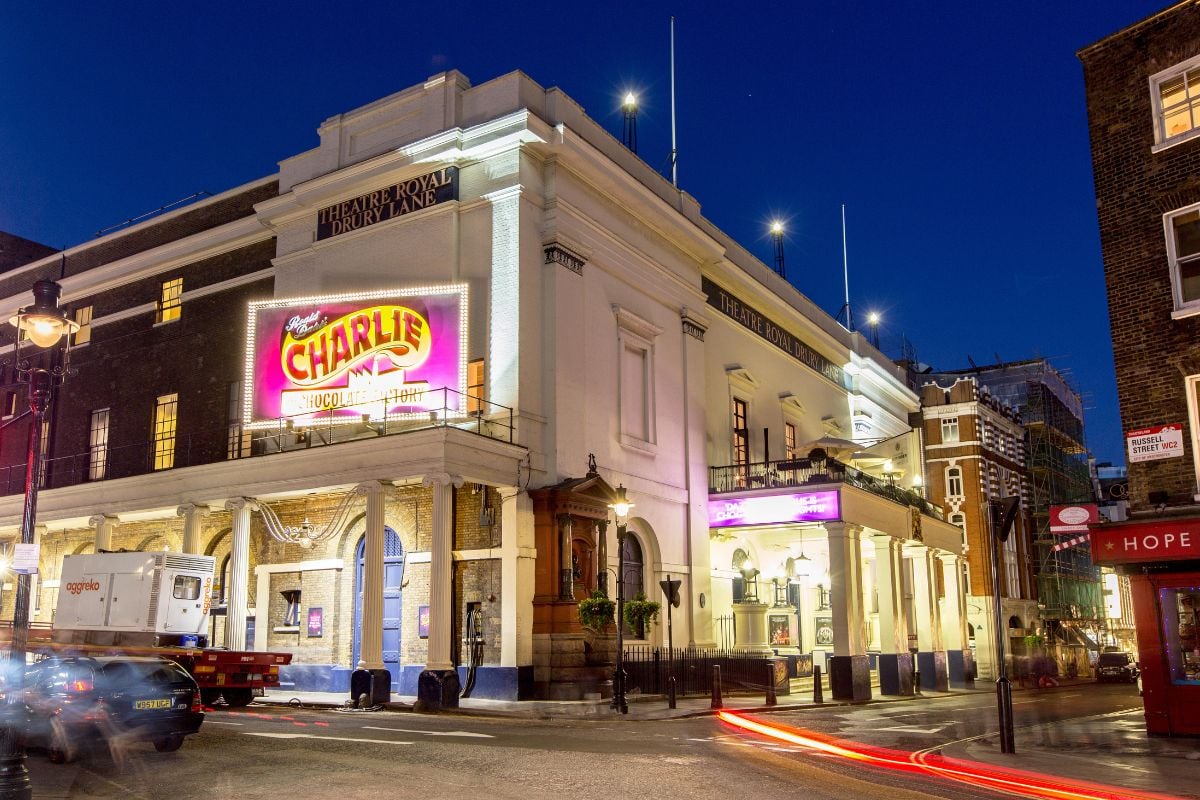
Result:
x=674 y=150
x=846 y=276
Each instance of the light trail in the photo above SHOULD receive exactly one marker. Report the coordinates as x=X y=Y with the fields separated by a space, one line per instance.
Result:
x=1011 y=781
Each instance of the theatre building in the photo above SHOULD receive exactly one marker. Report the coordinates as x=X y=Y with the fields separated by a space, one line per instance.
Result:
x=395 y=387
x=1145 y=134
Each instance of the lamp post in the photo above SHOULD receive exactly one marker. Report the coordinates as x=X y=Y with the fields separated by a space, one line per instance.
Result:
x=873 y=321
x=801 y=570
x=620 y=507
x=890 y=472
x=629 y=117
x=40 y=327
x=777 y=235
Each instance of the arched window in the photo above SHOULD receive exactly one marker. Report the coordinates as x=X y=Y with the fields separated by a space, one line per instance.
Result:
x=634 y=578
x=954 y=481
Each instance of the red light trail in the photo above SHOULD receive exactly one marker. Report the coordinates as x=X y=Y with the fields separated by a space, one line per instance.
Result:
x=1001 y=779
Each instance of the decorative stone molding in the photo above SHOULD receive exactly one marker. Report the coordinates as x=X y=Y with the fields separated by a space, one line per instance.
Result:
x=557 y=254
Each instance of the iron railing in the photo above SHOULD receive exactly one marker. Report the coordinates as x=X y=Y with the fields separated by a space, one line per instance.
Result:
x=648 y=668
x=286 y=434
x=800 y=472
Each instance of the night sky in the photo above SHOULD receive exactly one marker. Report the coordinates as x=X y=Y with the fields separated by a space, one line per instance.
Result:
x=954 y=133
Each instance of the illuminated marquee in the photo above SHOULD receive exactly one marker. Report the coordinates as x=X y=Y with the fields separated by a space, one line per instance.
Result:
x=773 y=509
x=339 y=357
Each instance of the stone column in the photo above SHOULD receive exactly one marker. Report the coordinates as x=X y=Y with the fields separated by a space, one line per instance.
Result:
x=518 y=558
x=371 y=632
x=931 y=658
x=954 y=622
x=192 y=515
x=239 y=572
x=849 y=668
x=438 y=685
x=696 y=591
x=104 y=525
x=895 y=662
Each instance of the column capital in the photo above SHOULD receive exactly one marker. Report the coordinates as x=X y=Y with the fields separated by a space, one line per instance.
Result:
x=566 y=520
x=186 y=509
x=508 y=492
x=885 y=540
x=373 y=487
x=441 y=479
x=103 y=519
x=239 y=503
x=843 y=529
x=948 y=557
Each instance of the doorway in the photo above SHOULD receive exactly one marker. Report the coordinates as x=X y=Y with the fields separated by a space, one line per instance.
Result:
x=393 y=583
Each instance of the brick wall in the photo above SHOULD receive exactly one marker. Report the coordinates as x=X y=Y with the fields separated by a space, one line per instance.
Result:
x=1134 y=188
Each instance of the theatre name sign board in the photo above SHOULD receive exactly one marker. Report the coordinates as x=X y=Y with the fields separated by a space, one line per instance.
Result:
x=730 y=512
x=1151 y=444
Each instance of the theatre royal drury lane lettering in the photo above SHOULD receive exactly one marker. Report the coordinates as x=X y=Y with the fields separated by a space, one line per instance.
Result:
x=752 y=320
x=392 y=201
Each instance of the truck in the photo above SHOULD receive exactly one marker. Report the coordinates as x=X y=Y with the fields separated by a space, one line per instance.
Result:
x=154 y=603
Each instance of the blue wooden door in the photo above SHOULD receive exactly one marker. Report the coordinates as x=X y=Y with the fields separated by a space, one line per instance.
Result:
x=393 y=581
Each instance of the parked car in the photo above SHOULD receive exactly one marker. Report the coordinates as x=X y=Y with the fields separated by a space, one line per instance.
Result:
x=73 y=701
x=1118 y=667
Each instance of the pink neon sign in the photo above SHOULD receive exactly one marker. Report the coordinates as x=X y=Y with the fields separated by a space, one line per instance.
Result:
x=772 y=509
x=337 y=358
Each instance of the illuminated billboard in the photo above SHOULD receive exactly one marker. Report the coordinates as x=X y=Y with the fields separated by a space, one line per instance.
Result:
x=774 y=509
x=336 y=358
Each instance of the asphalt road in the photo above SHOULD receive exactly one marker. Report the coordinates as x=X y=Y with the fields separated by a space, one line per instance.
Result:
x=296 y=755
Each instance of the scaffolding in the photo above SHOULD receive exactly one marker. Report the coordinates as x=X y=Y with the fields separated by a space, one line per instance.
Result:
x=1056 y=458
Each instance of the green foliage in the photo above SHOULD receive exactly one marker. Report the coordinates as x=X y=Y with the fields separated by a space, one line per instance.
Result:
x=640 y=612
x=1033 y=640
x=597 y=612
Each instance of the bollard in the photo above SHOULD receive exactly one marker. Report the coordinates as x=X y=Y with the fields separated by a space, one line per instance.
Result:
x=671 y=692
x=818 y=692
x=716 y=687
x=916 y=681
x=771 y=700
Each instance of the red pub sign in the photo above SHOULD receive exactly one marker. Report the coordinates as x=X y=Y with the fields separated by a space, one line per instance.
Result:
x=1171 y=540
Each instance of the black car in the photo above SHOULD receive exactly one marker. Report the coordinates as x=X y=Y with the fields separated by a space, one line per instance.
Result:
x=1118 y=667
x=72 y=702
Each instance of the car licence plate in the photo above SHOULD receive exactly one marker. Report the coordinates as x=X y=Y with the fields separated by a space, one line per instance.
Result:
x=162 y=702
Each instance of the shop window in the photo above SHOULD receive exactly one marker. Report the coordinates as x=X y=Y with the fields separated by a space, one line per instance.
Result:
x=1175 y=93
x=950 y=430
x=1181 y=622
x=83 y=316
x=98 y=445
x=165 y=419
x=170 y=301
x=1183 y=256
x=476 y=387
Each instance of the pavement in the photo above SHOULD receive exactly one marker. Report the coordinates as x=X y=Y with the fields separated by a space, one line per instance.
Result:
x=1111 y=749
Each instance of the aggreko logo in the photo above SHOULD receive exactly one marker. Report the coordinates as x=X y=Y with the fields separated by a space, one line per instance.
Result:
x=83 y=586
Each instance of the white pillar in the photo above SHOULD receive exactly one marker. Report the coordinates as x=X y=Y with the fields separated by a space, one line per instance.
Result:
x=371 y=633
x=845 y=578
x=517 y=561
x=928 y=622
x=104 y=525
x=697 y=588
x=954 y=616
x=441 y=565
x=192 y=515
x=239 y=572
x=893 y=627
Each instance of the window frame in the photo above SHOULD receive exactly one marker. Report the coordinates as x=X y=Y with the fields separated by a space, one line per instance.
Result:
x=476 y=386
x=1161 y=140
x=637 y=334
x=948 y=423
x=739 y=438
x=170 y=302
x=952 y=478
x=1180 y=307
x=164 y=445
x=83 y=316
x=790 y=448
x=98 y=444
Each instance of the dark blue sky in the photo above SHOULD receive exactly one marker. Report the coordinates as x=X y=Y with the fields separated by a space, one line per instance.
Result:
x=955 y=133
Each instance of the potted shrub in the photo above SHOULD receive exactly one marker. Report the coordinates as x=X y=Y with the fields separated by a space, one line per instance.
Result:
x=596 y=612
x=640 y=612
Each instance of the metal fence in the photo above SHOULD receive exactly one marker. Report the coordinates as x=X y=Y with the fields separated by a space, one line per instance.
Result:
x=648 y=669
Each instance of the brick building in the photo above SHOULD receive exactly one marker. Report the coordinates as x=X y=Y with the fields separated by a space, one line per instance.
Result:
x=1142 y=100
x=975 y=454
x=393 y=387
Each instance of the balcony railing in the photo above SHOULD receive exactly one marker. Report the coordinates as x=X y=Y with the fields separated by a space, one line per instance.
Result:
x=287 y=434
x=800 y=472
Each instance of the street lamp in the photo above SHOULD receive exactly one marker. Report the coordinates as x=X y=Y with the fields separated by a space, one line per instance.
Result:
x=629 y=115
x=801 y=570
x=777 y=235
x=873 y=319
x=890 y=472
x=40 y=327
x=620 y=507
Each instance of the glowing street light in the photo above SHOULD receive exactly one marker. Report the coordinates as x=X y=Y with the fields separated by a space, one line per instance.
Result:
x=777 y=235
x=629 y=127
x=873 y=321
x=620 y=507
